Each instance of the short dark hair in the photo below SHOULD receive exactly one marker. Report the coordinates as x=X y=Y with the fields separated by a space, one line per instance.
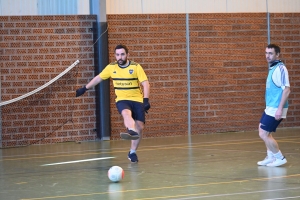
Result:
x=275 y=47
x=121 y=46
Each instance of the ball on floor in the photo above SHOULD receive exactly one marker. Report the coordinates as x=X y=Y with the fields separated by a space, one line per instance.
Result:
x=115 y=173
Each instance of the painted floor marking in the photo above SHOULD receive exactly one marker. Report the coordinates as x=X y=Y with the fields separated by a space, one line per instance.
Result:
x=167 y=197
x=77 y=161
x=284 y=198
x=172 y=187
x=149 y=148
x=238 y=193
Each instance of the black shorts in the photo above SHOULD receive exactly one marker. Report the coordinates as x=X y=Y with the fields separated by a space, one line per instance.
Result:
x=137 y=109
x=269 y=123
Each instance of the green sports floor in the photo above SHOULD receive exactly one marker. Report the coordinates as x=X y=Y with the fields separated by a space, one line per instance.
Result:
x=214 y=166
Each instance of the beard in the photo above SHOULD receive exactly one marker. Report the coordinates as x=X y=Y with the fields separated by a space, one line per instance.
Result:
x=122 y=62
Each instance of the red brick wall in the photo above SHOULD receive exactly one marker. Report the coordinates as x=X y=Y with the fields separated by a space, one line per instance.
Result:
x=157 y=42
x=285 y=31
x=34 y=50
x=227 y=66
x=228 y=70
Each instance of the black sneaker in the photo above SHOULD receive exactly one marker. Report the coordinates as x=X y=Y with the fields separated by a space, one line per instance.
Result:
x=133 y=157
x=130 y=135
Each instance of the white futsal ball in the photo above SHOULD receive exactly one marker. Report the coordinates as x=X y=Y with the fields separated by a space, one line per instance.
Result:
x=115 y=173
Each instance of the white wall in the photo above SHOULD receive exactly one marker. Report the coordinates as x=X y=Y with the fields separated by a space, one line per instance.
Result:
x=48 y=7
x=18 y=7
x=44 y=7
x=284 y=6
x=199 y=6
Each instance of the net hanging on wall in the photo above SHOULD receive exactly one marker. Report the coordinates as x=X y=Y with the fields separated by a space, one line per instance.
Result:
x=41 y=113
x=50 y=113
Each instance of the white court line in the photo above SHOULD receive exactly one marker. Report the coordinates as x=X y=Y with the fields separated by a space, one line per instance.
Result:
x=152 y=146
x=239 y=193
x=78 y=161
x=283 y=198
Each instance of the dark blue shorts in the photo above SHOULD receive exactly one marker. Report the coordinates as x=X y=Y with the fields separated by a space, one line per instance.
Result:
x=137 y=109
x=269 y=123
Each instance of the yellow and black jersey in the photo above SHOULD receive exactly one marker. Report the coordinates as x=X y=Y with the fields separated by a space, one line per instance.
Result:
x=126 y=80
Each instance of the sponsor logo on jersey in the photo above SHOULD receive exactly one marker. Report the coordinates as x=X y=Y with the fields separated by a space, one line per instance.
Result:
x=123 y=84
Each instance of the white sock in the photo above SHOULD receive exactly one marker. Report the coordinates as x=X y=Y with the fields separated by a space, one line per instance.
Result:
x=132 y=151
x=278 y=155
x=270 y=154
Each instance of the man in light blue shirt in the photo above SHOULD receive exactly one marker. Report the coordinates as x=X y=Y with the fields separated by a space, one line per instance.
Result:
x=277 y=92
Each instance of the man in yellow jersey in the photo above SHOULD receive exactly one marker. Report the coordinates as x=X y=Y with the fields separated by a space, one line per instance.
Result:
x=131 y=101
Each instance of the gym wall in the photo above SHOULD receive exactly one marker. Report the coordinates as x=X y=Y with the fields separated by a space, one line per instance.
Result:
x=227 y=68
x=33 y=51
x=226 y=63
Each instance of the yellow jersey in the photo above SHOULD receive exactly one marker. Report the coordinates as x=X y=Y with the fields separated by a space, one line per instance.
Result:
x=126 y=81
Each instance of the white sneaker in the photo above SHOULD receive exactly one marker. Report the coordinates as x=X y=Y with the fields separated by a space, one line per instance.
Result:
x=266 y=161
x=277 y=162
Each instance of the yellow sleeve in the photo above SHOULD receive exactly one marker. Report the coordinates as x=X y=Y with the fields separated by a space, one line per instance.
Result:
x=106 y=72
x=141 y=74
